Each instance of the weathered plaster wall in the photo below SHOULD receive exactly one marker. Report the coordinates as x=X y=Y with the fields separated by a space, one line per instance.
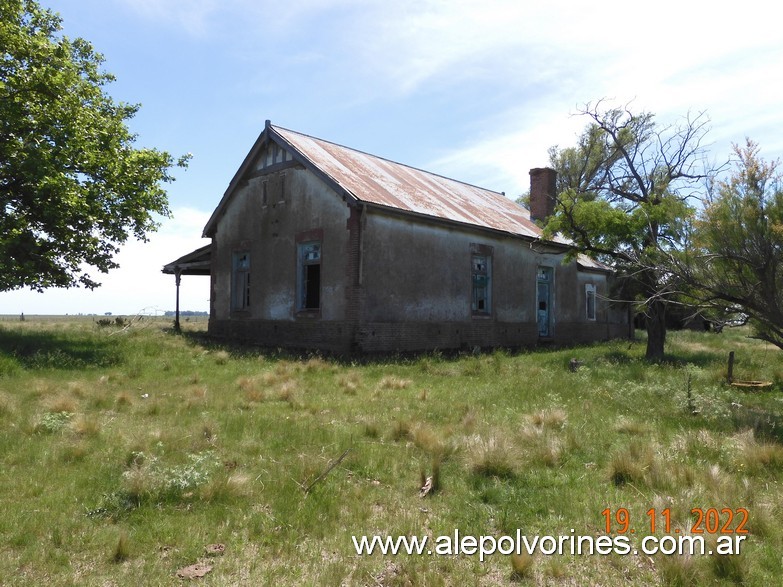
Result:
x=297 y=202
x=416 y=289
x=404 y=285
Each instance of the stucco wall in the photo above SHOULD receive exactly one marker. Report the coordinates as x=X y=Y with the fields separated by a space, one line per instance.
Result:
x=389 y=282
x=297 y=202
x=416 y=289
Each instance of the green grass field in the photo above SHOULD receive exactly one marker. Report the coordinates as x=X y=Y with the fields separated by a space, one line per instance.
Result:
x=127 y=451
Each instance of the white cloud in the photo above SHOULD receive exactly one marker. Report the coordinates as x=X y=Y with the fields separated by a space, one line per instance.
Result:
x=670 y=58
x=194 y=16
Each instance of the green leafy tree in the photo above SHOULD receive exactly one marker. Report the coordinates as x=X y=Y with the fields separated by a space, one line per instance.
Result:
x=623 y=198
x=735 y=264
x=73 y=186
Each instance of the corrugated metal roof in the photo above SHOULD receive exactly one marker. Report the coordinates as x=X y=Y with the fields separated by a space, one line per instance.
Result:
x=586 y=262
x=378 y=181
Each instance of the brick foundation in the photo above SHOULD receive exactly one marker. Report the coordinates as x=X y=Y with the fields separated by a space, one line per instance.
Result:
x=382 y=337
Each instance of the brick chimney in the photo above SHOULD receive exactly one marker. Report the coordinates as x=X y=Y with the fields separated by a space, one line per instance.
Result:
x=542 y=192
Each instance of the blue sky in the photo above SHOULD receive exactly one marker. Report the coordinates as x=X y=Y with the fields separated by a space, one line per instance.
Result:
x=473 y=90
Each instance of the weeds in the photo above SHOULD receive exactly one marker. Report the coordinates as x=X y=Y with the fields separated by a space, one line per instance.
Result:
x=148 y=481
x=175 y=444
x=52 y=422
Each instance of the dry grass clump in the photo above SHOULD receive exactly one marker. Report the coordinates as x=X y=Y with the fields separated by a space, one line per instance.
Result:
x=468 y=421
x=643 y=462
x=431 y=441
x=549 y=452
x=252 y=390
x=123 y=400
x=287 y=392
x=350 y=383
x=394 y=382
x=401 y=430
x=225 y=486
x=197 y=396
x=491 y=457
x=74 y=452
x=549 y=419
x=60 y=403
x=316 y=363
x=754 y=457
x=7 y=405
x=521 y=565
x=541 y=434
x=371 y=429
x=283 y=372
x=41 y=387
x=631 y=427
x=77 y=389
x=679 y=570
x=626 y=467
x=222 y=357
x=85 y=426
x=716 y=479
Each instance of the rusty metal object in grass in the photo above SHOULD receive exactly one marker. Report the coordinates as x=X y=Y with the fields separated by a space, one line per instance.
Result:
x=327 y=471
x=750 y=385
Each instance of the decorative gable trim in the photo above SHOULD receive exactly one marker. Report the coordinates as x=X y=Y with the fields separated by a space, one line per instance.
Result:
x=286 y=157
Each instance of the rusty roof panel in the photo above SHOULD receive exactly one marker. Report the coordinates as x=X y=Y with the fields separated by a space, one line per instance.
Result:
x=586 y=262
x=379 y=181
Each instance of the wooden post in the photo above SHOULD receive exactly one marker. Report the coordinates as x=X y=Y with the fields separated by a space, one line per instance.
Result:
x=178 y=279
x=730 y=376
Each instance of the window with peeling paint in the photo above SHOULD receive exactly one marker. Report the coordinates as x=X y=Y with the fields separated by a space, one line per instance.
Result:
x=482 y=284
x=309 y=276
x=240 y=281
x=590 y=301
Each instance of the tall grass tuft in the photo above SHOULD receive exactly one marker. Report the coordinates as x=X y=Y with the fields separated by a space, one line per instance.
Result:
x=624 y=468
x=679 y=571
x=491 y=457
x=86 y=426
x=521 y=565
x=121 y=551
x=727 y=566
x=401 y=430
x=350 y=383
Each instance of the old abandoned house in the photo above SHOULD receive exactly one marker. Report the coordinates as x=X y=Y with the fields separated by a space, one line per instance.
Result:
x=319 y=246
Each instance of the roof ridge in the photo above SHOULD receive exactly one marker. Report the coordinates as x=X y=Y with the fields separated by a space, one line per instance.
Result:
x=275 y=126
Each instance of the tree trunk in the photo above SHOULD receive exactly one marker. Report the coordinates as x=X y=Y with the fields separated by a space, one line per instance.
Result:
x=656 y=330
